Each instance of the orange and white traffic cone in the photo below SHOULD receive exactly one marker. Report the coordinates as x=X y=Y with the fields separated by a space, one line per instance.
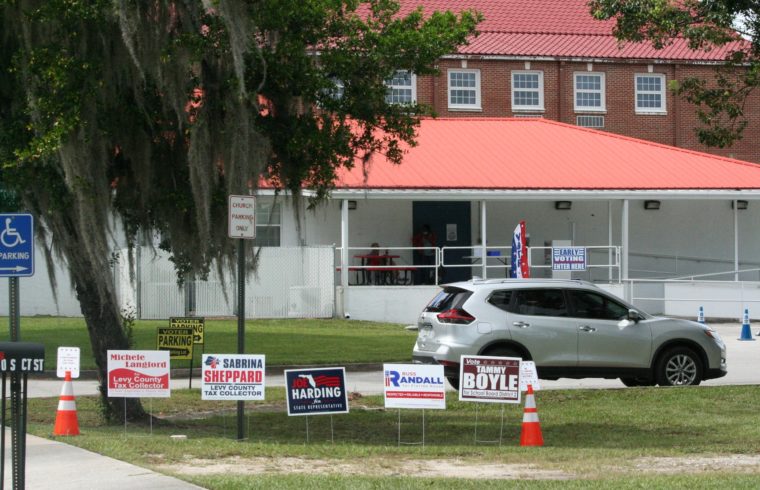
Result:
x=66 y=423
x=531 y=428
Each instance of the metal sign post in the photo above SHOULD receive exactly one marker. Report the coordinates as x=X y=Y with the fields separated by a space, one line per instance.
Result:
x=241 y=224
x=16 y=260
x=19 y=359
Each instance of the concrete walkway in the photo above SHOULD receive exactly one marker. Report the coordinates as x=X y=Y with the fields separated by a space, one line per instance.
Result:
x=53 y=464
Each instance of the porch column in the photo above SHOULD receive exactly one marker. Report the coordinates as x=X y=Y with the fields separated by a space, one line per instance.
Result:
x=483 y=239
x=610 y=254
x=624 y=241
x=736 y=240
x=344 y=247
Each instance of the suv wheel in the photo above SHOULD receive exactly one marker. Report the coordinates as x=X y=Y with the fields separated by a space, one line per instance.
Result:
x=679 y=367
x=454 y=382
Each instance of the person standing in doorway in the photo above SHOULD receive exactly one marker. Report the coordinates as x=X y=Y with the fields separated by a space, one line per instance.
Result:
x=424 y=255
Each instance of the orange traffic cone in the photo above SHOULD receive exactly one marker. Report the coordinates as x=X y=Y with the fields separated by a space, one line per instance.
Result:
x=531 y=428
x=66 y=423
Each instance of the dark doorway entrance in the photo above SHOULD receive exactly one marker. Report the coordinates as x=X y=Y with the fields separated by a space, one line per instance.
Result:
x=450 y=221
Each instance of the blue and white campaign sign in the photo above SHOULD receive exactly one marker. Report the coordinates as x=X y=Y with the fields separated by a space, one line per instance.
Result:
x=16 y=245
x=233 y=377
x=414 y=386
x=568 y=258
x=318 y=391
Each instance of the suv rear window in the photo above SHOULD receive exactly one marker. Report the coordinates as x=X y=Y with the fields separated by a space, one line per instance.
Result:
x=539 y=302
x=447 y=299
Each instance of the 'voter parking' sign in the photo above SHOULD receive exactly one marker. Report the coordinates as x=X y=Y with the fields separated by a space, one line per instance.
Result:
x=16 y=245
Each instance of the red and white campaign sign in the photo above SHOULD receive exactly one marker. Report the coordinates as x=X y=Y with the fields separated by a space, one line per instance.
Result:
x=138 y=373
x=232 y=377
x=414 y=386
x=489 y=379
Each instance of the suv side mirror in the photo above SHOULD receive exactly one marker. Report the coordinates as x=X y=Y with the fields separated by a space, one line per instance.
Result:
x=633 y=315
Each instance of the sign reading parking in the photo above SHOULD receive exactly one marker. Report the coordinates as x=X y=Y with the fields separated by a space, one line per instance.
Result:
x=16 y=245
x=178 y=341
x=197 y=324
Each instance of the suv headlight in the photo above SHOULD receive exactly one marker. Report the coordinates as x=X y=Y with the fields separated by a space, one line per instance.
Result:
x=713 y=335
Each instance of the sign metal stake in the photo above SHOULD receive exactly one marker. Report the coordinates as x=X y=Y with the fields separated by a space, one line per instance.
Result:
x=241 y=327
x=422 y=442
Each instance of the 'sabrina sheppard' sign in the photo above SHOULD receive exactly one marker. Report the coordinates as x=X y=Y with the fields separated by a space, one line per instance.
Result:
x=232 y=377
x=318 y=391
x=489 y=379
x=138 y=374
x=414 y=386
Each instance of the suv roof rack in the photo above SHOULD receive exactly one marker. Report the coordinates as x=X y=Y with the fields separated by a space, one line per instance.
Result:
x=530 y=279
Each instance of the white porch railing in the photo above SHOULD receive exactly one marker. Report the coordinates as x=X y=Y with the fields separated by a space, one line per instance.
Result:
x=683 y=297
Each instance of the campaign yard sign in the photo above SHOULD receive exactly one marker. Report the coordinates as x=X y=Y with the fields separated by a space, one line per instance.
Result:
x=138 y=374
x=232 y=377
x=489 y=379
x=414 y=386
x=319 y=391
x=568 y=258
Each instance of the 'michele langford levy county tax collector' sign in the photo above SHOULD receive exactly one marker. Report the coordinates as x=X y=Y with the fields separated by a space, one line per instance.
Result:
x=138 y=373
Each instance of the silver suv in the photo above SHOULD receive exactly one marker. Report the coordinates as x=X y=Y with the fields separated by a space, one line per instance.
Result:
x=571 y=329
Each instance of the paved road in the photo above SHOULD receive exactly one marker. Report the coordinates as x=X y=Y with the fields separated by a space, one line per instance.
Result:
x=50 y=459
x=743 y=363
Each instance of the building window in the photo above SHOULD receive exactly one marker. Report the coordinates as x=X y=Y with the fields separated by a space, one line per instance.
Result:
x=527 y=91
x=650 y=93
x=402 y=88
x=590 y=121
x=268 y=223
x=464 y=89
x=589 y=92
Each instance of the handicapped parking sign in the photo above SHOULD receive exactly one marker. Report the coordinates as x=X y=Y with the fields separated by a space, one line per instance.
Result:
x=16 y=245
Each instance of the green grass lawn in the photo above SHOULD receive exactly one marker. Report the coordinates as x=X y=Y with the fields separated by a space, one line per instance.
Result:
x=284 y=342
x=694 y=437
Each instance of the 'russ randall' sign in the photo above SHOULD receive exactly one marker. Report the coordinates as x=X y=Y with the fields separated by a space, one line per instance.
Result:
x=232 y=377
x=138 y=374
x=489 y=379
x=414 y=386
x=319 y=391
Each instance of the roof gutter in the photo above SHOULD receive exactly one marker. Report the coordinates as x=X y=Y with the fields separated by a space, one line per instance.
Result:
x=545 y=195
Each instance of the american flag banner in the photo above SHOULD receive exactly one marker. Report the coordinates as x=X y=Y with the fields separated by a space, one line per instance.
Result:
x=519 y=264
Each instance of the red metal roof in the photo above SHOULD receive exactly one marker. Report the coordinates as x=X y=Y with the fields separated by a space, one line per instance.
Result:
x=554 y=28
x=533 y=154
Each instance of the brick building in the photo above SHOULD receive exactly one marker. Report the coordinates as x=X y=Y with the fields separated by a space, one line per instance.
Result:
x=550 y=58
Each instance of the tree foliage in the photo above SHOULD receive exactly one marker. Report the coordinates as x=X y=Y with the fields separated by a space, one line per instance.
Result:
x=732 y=24
x=156 y=111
